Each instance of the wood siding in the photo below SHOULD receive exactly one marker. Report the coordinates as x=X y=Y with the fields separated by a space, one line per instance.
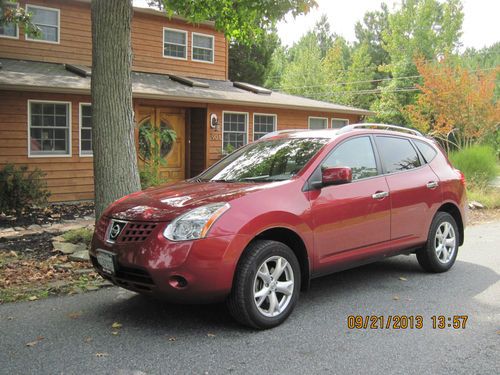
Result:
x=71 y=178
x=75 y=44
x=68 y=178
x=286 y=119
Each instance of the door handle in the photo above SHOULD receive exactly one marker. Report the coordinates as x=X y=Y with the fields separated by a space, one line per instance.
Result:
x=380 y=195
x=432 y=184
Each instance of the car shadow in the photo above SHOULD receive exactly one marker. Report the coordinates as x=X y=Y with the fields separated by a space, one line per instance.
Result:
x=399 y=277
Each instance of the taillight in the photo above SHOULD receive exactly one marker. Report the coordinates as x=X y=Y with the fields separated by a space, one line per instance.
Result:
x=462 y=177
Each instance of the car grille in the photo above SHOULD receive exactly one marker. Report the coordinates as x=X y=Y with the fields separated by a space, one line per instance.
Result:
x=127 y=277
x=136 y=232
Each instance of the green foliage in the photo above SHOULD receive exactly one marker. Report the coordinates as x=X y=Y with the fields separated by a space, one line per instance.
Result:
x=80 y=235
x=21 y=188
x=243 y=20
x=485 y=58
x=424 y=29
x=276 y=68
x=251 y=63
x=323 y=35
x=370 y=33
x=304 y=74
x=478 y=163
x=154 y=145
x=18 y=15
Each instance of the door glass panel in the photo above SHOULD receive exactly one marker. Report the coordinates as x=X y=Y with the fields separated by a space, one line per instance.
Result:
x=397 y=154
x=356 y=154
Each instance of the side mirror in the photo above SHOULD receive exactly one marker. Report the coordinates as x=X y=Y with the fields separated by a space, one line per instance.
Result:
x=336 y=176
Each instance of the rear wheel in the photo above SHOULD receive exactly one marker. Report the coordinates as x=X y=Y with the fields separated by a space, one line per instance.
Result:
x=441 y=249
x=266 y=286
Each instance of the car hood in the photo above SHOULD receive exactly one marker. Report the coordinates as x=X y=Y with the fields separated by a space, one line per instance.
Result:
x=166 y=202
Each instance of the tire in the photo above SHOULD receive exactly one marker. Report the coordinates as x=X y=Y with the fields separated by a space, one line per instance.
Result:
x=250 y=288
x=430 y=257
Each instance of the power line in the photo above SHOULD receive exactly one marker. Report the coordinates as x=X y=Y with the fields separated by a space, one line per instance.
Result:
x=371 y=81
x=374 y=68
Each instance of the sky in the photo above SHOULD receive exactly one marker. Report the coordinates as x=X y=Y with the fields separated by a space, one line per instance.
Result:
x=481 y=27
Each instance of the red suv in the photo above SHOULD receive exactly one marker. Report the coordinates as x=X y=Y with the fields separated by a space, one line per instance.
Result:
x=256 y=227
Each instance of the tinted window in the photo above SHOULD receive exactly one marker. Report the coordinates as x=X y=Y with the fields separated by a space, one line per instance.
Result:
x=427 y=150
x=356 y=154
x=397 y=154
x=272 y=160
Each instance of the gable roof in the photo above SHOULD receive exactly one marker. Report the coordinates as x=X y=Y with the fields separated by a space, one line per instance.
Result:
x=50 y=77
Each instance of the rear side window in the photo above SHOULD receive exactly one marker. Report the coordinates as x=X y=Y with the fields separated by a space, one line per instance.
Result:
x=397 y=154
x=356 y=154
x=427 y=150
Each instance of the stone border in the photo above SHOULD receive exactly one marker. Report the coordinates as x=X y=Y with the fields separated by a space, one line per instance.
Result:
x=16 y=232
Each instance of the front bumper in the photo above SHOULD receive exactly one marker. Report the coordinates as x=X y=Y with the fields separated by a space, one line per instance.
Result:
x=207 y=265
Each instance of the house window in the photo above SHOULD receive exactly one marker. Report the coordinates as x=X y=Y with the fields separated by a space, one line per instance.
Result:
x=318 y=123
x=8 y=30
x=174 y=43
x=49 y=125
x=338 y=123
x=85 y=129
x=47 y=20
x=203 y=48
x=263 y=124
x=234 y=130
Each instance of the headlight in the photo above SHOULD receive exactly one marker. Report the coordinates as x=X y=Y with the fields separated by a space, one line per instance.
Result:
x=196 y=223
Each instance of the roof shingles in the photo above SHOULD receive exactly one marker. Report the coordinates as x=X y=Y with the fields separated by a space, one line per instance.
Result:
x=41 y=76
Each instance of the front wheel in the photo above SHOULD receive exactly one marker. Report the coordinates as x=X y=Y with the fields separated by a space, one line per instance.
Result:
x=266 y=286
x=441 y=249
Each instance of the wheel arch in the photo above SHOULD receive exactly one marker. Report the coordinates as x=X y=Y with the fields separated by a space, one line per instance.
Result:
x=295 y=242
x=454 y=211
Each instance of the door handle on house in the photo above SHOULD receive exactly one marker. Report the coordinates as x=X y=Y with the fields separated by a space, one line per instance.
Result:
x=380 y=195
x=432 y=184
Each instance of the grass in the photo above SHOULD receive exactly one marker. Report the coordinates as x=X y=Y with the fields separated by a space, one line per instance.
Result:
x=489 y=197
x=80 y=235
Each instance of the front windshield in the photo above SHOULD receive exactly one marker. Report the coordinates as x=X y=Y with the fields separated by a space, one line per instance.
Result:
x=272 y=160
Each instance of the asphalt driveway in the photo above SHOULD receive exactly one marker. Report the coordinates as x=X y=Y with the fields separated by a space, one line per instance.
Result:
x=156 y=337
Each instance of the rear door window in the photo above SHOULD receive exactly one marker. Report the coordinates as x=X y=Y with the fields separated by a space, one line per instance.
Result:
x=357 y=154
x=426 y=150
x=397 y=154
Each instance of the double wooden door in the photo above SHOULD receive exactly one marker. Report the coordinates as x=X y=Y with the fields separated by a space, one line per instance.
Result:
x=153 y=120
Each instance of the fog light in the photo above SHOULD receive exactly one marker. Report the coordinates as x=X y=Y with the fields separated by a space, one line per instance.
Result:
x=177 y=282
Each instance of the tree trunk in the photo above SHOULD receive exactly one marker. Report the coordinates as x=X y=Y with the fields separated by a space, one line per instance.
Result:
x=115 y=161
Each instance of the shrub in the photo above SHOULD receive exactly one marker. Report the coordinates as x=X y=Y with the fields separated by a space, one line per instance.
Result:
x=21 y=188
x=478 y=163
x=80 y=235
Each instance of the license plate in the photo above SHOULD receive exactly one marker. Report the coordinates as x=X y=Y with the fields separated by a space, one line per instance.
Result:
x=106 y=260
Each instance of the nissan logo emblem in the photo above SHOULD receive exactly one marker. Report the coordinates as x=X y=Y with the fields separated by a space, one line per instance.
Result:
x=115 y=230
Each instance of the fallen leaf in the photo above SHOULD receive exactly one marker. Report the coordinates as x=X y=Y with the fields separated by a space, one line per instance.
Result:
x=32 y=298
x=403 y=278
x=12 y=253
x=33 y=343
x=10 y=318
x=395 y=298
x=116 y=325
x=210 y=334
x=99 y=354
x=115 y=333
x=74 y=315
x=172 y=339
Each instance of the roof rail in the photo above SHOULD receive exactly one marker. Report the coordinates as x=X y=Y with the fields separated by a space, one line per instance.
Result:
x=272 y=134
x=348 y=128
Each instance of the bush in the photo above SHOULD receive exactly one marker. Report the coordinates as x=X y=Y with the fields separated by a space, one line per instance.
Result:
x=478 y=163
x=81 y=235
x=21 y=188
